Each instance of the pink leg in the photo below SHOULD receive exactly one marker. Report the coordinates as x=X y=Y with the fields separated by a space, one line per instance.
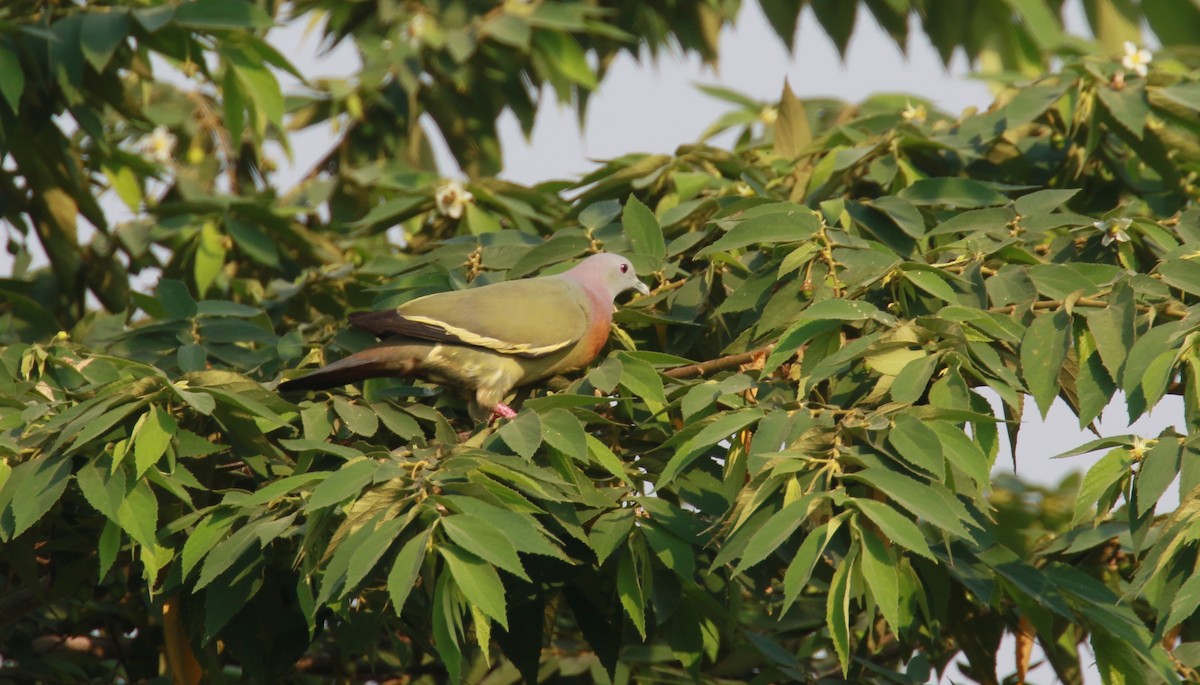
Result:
x=503 y=411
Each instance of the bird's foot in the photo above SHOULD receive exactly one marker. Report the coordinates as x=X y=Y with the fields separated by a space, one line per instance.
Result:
x=503 y=411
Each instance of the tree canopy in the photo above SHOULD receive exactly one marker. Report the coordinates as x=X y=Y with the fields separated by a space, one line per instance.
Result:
x=780 y=468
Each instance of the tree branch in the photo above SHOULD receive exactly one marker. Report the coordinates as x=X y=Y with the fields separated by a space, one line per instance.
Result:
x=719 y=364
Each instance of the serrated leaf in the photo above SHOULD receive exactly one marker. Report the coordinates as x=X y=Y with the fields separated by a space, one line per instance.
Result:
x=609 y=532
x=792 y=132
x=837 y=610
x=523 y=434
x=918 y=445
x=713 y=432
x=479 y=582
x=782 y=227
x=406 y=569
x=1158 y=470
x=931 y=502
x=152 y=437
x=800 y=569
x=643 y=230
x=485 y=541
x=880 y=573
x=910 y=383
x=607 y=458
x=1104 y=474
x=774 y=533
x=343 y=483
x=358 y=419
x=629 y=591
x=1043 y=351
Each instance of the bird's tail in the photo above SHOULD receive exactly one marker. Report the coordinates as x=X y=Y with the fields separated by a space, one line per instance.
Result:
x=370 y=363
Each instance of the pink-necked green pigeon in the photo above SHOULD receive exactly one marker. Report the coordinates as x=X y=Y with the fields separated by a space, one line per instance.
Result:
x=491 y=339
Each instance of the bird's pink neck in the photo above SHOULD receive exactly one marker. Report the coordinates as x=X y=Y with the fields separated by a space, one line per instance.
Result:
x=597 y=334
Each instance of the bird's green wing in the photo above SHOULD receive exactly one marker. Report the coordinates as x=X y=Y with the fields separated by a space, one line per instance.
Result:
x=530 y=318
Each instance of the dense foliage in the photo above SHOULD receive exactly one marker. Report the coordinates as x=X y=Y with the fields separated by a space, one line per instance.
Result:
x=779 y=469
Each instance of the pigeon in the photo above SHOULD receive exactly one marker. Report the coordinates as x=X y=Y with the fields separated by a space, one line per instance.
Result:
x=488 y=340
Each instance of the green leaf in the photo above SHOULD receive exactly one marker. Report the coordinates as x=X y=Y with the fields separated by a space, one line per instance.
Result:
x=358 y=419
x=371 y=550
x=607 y=459
x=720 y=428
x=1043 y=351
x=208 y=531
x=918 y=445
x=522 y=434
x=447 y=625
x=773 y=534
x=210 y=258
x=899 y=528
x=791 y=226
x=562 y=431
x=609 y=532
x=485 y=541
x=934 y=502
x=479 y=582
x=558 y=248
x=406 y=569
x=138 y=514
x=643 y=230
x=1181 y=273
x=1127 y=106
x=961 y=451
x=600 y=214
x=800 y=569
x=799 y=334
x=641 y=379
x=343 y=483
x=629 y=591
x=1158 y=470
x=32 y=489
x=932 y=283
x=1043 y=202
x=221 y=14
x=880 y=572
x=837 y=610
x=100 y=35
x=253 y=241
x=910 y=383
x=108 y=547
x=564 y=53
x=151 y=438
x=1104 y=474
x=960 y=193
x=907 y=217
x=1113 y=329
x=792 y=131
x=175 y=299
x=12 y=78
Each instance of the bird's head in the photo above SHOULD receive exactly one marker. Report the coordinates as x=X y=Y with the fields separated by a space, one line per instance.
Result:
x=612 y=272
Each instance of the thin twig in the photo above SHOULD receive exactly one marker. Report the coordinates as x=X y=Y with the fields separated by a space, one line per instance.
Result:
x=718 y=364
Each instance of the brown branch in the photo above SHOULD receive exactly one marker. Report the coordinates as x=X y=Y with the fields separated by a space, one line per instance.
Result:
x=1171 y=310
x=719 y=364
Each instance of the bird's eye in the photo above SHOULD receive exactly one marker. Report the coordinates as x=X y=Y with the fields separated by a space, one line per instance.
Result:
x=624 y=268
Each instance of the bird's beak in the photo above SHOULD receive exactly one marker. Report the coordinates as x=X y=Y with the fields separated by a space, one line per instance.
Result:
x=641 y=288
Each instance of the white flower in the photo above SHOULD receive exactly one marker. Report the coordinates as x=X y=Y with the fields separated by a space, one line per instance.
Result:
x=1136 y=59
x=1114 y=230
x=452 y=198
x=769 y=115
x=159 y=146
x=916 y=114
